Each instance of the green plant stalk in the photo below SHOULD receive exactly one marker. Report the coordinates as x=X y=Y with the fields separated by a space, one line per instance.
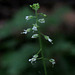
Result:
x=40 y=42
x=39 y=51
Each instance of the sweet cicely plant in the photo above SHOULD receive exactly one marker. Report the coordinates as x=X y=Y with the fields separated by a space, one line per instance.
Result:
x=37 y=34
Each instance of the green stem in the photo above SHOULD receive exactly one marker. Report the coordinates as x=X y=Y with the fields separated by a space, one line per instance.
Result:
x=42 y=54
x=40 y=42
x=39 y=51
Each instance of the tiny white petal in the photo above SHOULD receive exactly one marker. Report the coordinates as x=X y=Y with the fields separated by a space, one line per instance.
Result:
x=53 y=63
x=24 y=32
x=26 y=17
x=47 y=38
x=30 y=59
x=50 y=40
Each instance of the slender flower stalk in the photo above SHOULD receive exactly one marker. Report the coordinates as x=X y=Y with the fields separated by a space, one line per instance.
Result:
x=36 y=28
x=40 y=42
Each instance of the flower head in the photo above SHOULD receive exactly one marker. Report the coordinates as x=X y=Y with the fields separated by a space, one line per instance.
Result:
x=34 y=36
x=41 y=20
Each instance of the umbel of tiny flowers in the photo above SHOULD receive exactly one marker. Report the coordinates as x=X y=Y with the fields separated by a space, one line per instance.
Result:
x=34 y=58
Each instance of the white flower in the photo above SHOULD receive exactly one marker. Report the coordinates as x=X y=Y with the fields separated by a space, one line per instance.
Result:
x=26 y=31
x=34 y=28
x=28 y=17
x=41 y=20
x=34 y=36
x=50 y=40
x=52 y=61
x=34 y=58
x=47 y=38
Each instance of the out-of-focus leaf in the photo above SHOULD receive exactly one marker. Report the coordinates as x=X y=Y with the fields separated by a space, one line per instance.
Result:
x=56 y=17
x=16 y=24
x=18 y=61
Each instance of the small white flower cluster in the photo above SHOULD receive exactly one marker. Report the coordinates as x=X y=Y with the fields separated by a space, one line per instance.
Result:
x=47 y=38
x=52 y=61
x=34 y=36
x=34 y=27
x=34 y=58
x=28 y=17
x=41 y=20
x=26 y=31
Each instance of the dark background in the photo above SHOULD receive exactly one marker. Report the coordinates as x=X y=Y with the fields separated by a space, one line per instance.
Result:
x=16 y=49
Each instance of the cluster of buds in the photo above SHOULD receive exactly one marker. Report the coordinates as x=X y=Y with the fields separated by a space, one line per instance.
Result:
x=35 y=6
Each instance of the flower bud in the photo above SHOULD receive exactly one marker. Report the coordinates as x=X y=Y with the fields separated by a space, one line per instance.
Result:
x=34 y=36
x=41 y=20
x=35 y=6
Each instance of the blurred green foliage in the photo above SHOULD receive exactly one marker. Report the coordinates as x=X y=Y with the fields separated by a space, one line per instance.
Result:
x=16 y=49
